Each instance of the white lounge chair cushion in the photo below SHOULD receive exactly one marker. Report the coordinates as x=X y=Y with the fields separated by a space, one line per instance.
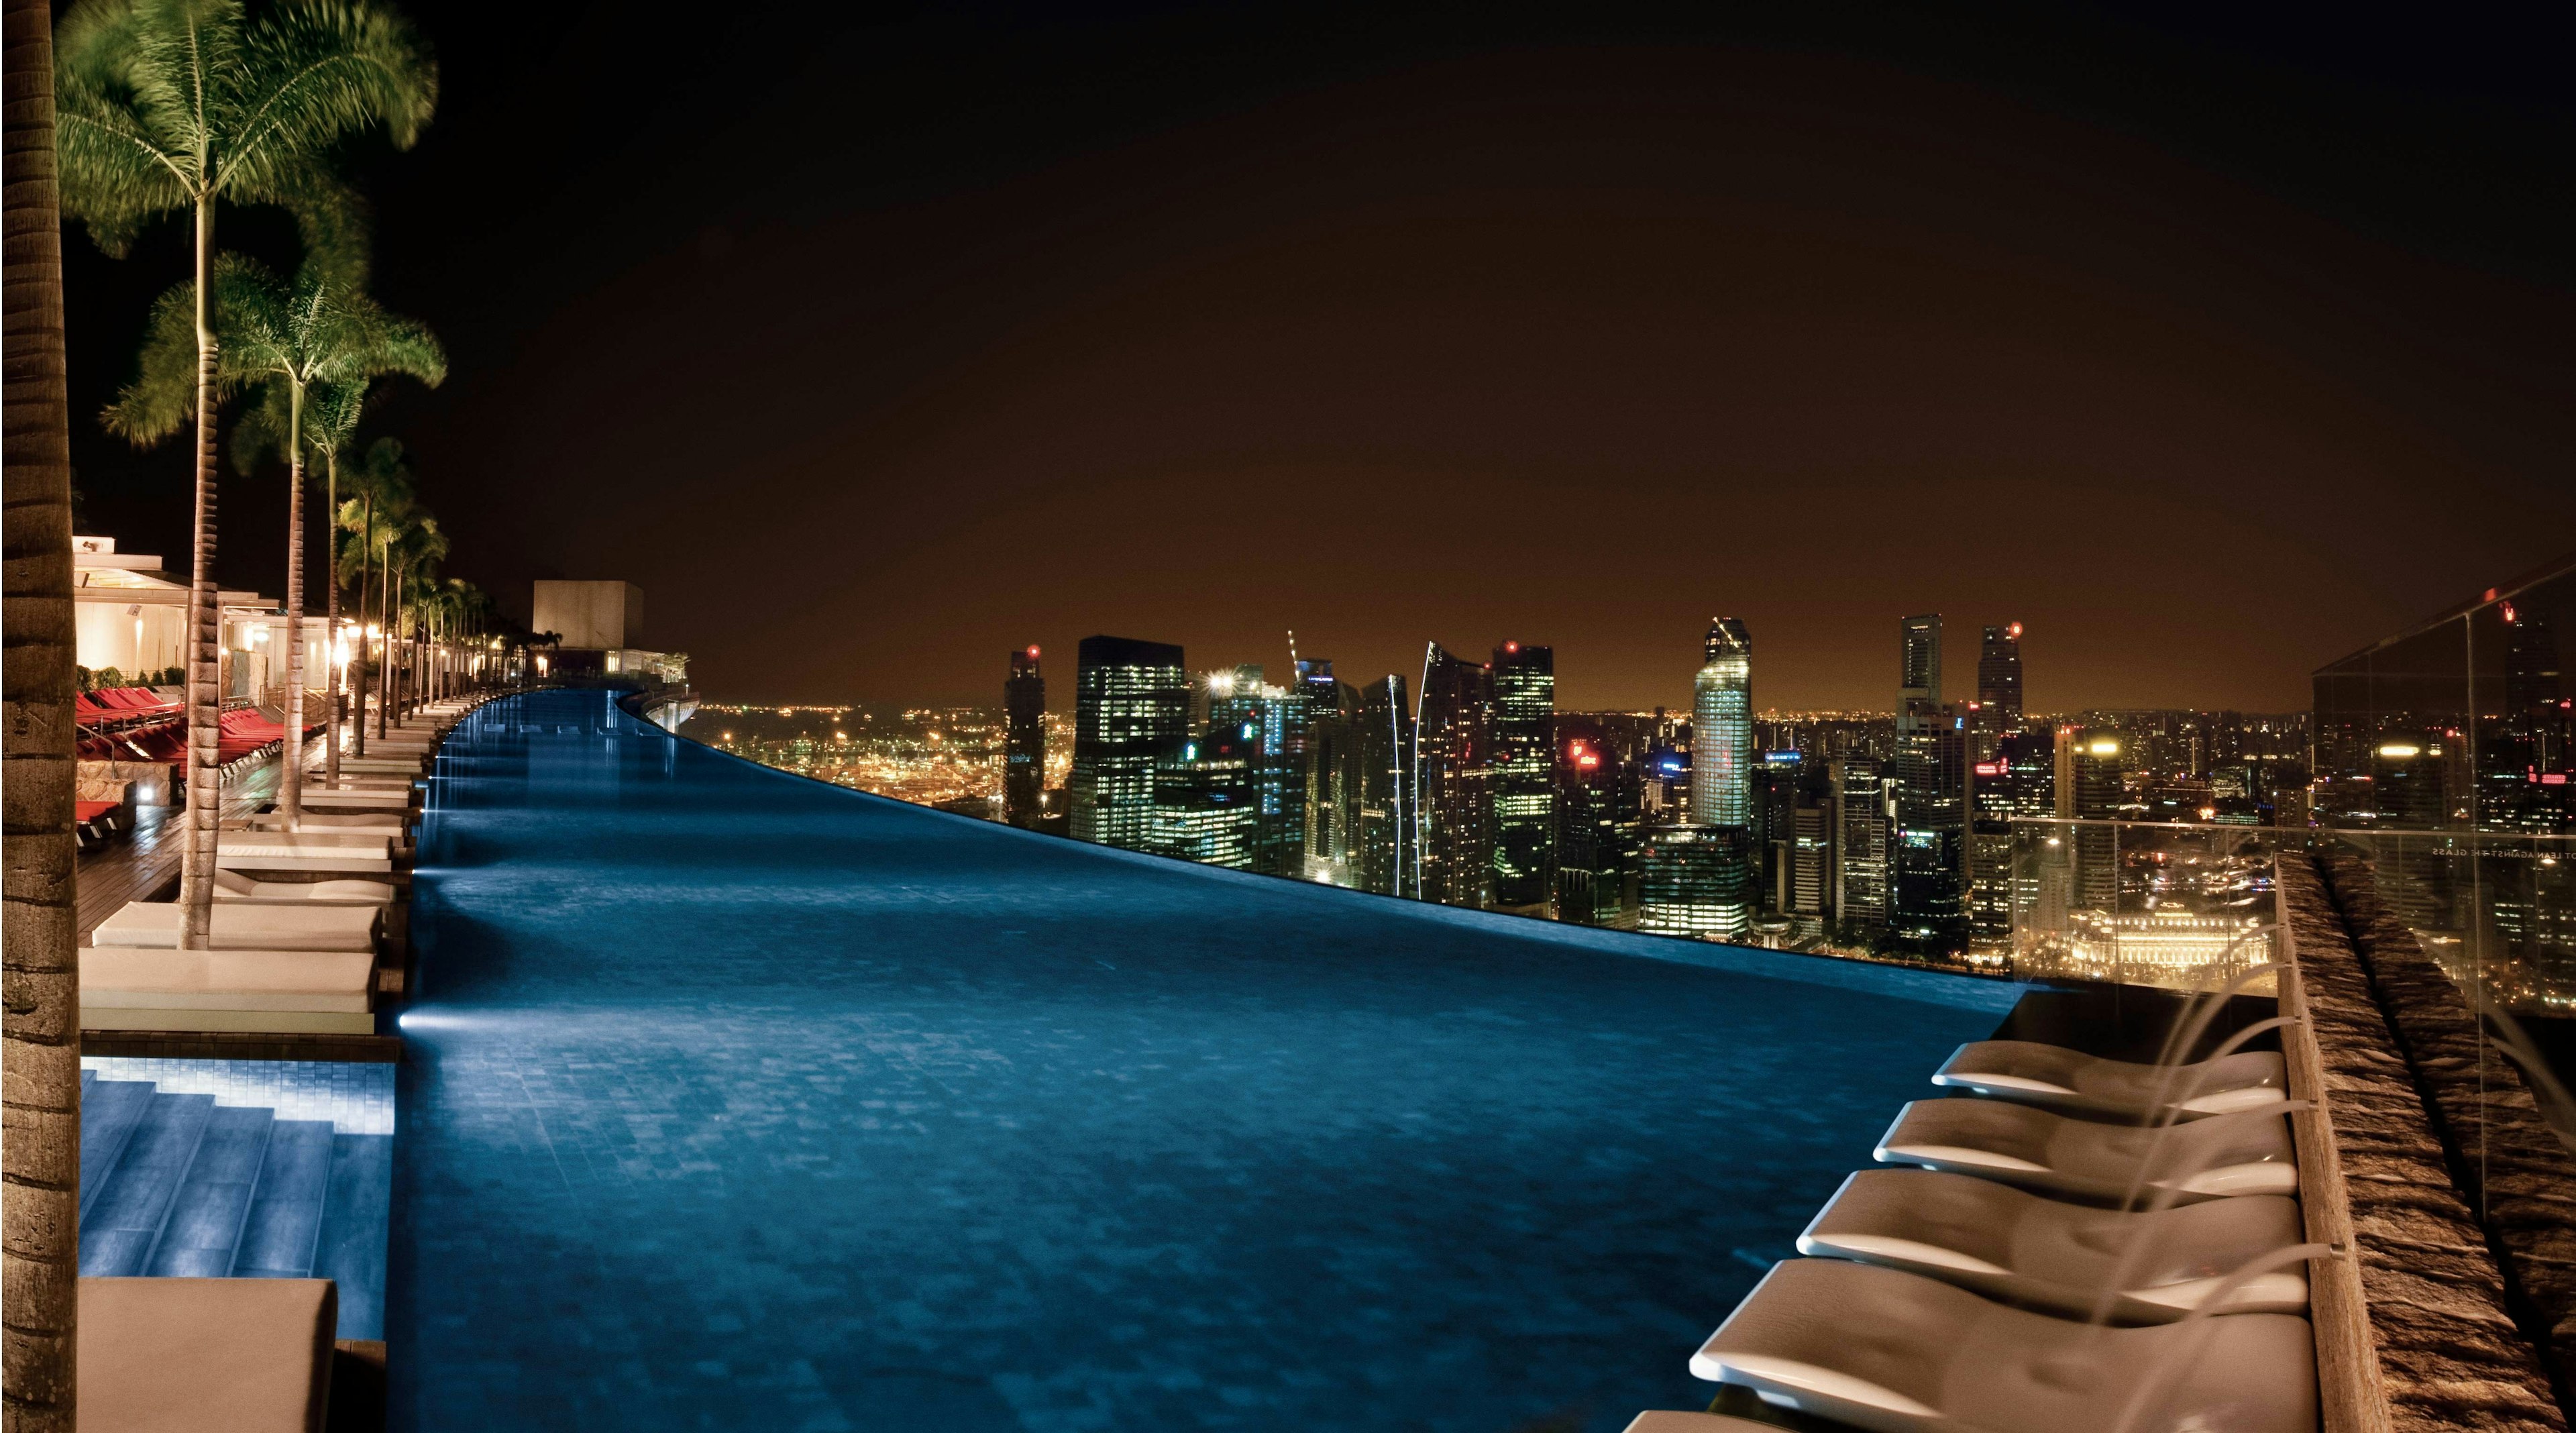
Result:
x=226 y=979
x=2043 y=1253
x=1898 y=1353
x=2056 y=1078
x=2220 y=1157
x=234 y=886
x=238 y=925
x=206 y=1355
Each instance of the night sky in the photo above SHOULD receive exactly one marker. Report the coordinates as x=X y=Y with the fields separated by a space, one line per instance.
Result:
x=874 y=345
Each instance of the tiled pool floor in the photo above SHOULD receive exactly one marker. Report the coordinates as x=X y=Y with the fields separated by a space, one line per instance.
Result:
x=735 y=1101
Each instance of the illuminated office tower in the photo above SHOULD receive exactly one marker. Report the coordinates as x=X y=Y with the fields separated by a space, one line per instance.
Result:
x=1524 y=775
x=1207 y=801
x=1927 y=851
x=1721 y=788
x=1599 y=830
x=1696 y=881
x=1329 y=710
x=2091 y=789
x=1918 y=674
x=1023 y=739
x=1860 y=864
x=1389 y=854
x=1131 y=712
x=1453 y=777
x=1811 y=891
x=1240 y=697
x=1999 y=677
x=1777 y=779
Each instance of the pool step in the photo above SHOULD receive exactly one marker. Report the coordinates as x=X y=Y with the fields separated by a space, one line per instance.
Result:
x=178 y=1186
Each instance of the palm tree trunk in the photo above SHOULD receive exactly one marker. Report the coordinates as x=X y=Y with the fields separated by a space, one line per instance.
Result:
x=40 y=1253
x=290 y=782
x=385 y=673
x=366 y=569
x=205 y=628
x=332 y=671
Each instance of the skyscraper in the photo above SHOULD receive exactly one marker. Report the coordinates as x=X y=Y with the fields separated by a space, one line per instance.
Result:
x=1388 y=852
x=1722 y=729
x=1023 y=739
x=1598 y=830
x=1242 y=696
x=1918 y=676
x=1453 y=754
x=1999 y=677
x=1860 y=877
x=1524 y=775
x=2092 y=790
x=1696 y=881
x=1207 y=801
x=1329 y=710
x=1861 y=859
x=1131 y=712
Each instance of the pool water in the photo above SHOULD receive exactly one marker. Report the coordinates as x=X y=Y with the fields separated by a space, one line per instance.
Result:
x=734 y=1100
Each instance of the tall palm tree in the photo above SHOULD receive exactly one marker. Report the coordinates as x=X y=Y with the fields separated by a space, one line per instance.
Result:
x=168 y=106
x=40 y=1246
x=330 y=425
x=411 y=553
x=291 y=338
x=380 y=485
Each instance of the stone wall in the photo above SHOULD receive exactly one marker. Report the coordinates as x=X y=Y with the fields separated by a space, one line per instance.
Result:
x=2450 y=1355
x=2504 y=1155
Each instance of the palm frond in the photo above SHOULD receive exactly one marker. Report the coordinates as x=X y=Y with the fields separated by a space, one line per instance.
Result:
x=163 y=395
x=317 y=71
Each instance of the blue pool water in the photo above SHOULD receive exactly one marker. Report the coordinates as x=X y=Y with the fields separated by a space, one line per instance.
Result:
x=738 y=1101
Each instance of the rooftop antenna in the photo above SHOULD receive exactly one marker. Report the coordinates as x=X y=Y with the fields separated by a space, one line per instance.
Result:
x=1292 y=649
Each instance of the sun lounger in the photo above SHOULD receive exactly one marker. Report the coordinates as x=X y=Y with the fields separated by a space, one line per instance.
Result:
x=253 y=990
x=2077 y=1159
x=234 y=886
x=388 y=824
x=1899 y=1353
x=235 y=925
x=303 y=851
x=2052 y=1077
x=1654 y=1421
x=206 y=1355
x=396 y=800
x=2057 y=1258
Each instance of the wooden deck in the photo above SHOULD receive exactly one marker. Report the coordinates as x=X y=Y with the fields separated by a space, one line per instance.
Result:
x=145 y=865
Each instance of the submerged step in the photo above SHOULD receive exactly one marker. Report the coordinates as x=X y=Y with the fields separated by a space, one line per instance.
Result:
x=285 y=1215
x=109 y=1111
x=126 y=1221
x=205 y=1220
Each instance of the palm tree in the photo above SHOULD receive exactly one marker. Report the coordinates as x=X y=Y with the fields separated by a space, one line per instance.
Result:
x=330 y=423
x=167 y=106
x=411 y=552
x=380 y=484
x=292 y=339
x=40 y=1247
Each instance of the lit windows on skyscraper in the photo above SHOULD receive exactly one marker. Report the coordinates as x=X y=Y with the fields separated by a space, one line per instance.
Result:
x=1524 y=775
x=1207 y=802
x=1999 y=677
x=1696 y=881
x=1722 y=729
x=1388 y=850
x=1598 y=830
x=1131 y=712
x=1024 y=739
x=1453 y=752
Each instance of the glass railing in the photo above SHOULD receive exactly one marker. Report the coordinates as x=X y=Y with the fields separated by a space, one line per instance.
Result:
x=2180 y=907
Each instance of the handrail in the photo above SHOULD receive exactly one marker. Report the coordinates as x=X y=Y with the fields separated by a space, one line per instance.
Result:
x=2349 y=1393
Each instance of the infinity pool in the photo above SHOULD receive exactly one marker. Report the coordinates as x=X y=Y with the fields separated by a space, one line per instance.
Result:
x=738 y=1101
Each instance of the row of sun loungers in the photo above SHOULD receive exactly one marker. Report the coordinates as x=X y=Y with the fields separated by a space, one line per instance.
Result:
x=2070 y=1243
x=299 y=922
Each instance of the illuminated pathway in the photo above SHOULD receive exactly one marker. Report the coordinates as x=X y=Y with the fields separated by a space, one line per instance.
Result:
x=738 y=1101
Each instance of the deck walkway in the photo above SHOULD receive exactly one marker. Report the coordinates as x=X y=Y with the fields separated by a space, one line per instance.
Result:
x=145 y=865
